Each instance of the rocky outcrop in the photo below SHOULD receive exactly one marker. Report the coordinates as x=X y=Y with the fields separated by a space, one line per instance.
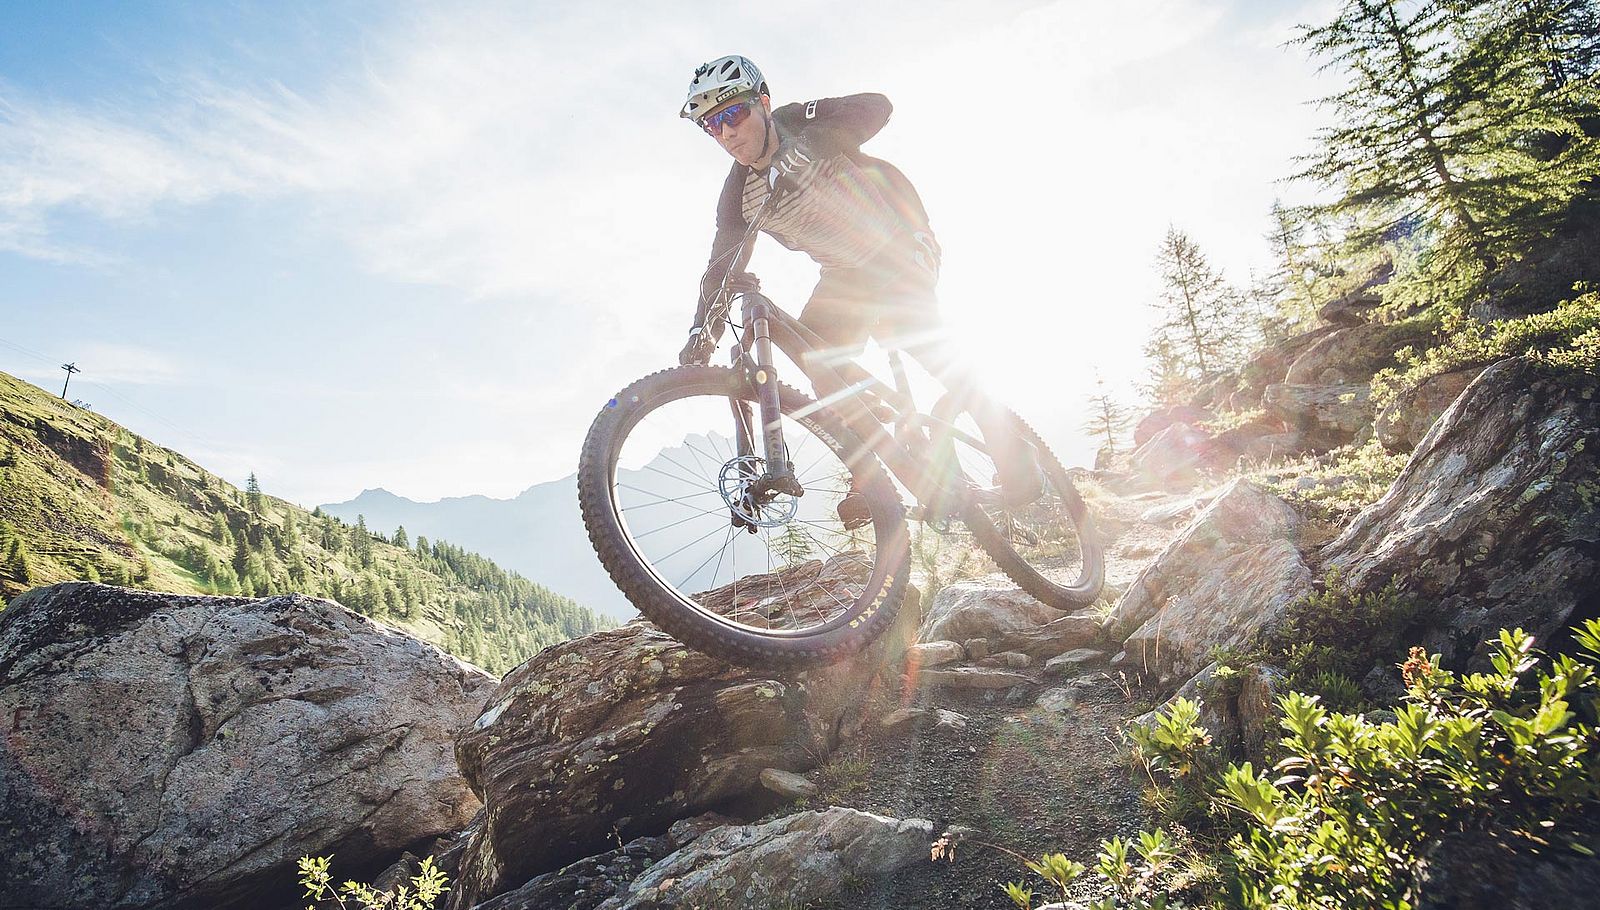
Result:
x=1232 y=571
x=1159 y=420
x=1327 y=415
x=1005 y=619
x=1495 y=521
x=1404 y=421
x=622 y=732
x=790 y=861
x=180 y=751
x=1173 y=458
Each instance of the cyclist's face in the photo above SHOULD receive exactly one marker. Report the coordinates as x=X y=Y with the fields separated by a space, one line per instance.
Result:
x=745 y=140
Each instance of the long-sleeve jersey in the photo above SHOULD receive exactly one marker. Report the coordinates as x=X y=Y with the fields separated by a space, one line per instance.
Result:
x=844 y=208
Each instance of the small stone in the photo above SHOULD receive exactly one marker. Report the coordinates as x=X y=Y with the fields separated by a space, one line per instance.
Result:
x=950 y=720
x=1073 y=660
x=1016 y=660
x=977 y=648
x=973 y=678
x=1057 y=701
x=934 y=654
x=901 y=719
x=787 y=784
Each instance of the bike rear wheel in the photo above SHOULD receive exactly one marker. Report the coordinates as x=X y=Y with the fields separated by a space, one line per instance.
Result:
x=667 y=503
x=1049 y=547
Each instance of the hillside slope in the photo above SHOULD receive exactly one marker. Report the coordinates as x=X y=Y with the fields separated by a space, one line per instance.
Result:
x=84 y=498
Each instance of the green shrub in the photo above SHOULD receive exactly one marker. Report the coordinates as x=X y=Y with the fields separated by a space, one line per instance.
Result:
x=1357 y=802
x=1339 y=483
x=1327 y=639
x=1563 y=338
x=1130 y=870
x=428 y=883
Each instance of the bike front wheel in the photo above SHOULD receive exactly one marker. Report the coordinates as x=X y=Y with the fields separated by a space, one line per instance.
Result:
x=683 y=525
x=1049 y=547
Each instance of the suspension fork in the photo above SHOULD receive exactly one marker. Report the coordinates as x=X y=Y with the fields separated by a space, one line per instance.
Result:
x=779 y=476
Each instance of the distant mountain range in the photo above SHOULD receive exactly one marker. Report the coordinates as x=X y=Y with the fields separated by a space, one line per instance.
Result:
x=538 y=533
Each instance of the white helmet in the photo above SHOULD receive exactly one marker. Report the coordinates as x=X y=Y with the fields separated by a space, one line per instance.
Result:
x=719 y=80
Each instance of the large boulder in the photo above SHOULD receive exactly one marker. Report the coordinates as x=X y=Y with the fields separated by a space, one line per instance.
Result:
x=1402 y=423
x=1233 y=571
x=1495 y=522
x=1159 y=420
x=1327 y=415
x=622 y=732
x=788 y=862
x=171 y=751
x=1343 y=356
x=1173 y=458
x=1006 y=618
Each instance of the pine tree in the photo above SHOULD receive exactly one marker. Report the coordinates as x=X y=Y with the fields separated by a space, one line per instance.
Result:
x=400 y=540
x=792 y=545
x=1436 y=124
x=252 y=493
x=1199 y=309
x=1107 y=418
x=1170 y=381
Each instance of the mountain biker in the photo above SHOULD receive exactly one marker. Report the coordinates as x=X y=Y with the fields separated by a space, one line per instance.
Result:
x=858 y=217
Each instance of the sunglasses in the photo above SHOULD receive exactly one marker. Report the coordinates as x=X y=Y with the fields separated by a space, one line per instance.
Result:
x=732 y=115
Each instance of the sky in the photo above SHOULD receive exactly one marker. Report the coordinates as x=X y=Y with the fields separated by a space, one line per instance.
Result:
x=346 y=245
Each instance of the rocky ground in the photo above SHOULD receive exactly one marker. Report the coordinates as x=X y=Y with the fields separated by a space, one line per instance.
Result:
x=1036 y=768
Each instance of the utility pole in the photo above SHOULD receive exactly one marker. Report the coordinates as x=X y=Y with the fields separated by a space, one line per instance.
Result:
x=70 y=368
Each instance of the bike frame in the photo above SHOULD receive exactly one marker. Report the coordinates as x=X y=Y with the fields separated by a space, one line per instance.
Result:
x=764 y=325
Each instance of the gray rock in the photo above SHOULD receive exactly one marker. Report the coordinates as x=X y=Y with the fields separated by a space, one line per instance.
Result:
x=787 y=784
x=972 y=678
x=186 y=751
x=1073 y=660
x=790 y=861
x=1495 y=521
x=1156 y=421
x=977 y=648
x=949 y=720
x=934 y=654
x=1328 y=415
x=1357 y=306
x=622 y=732
x=1173 y=458
x=1232 y=572
x=902 y=719
x=967 y=610
x=1015 y=660
x=1403 y=422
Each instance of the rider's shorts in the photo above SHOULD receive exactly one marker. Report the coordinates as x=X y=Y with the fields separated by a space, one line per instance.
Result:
x=890 y=297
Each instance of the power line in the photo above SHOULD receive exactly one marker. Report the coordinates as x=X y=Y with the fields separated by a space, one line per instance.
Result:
x=70 y=368
x=107 y=390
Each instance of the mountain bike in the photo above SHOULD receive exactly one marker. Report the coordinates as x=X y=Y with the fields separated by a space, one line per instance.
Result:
x=691 y=471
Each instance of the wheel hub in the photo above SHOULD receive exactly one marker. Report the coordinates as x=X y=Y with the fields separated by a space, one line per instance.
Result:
x=750 y=500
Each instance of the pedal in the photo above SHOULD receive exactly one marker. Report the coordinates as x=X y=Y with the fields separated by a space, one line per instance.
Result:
x=854 y=512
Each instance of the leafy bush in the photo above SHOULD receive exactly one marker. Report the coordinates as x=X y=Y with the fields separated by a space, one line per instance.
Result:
x=1129 y=869
x=1564 y=338
x=1327 y=639
x=428 y=882
x=1358 y=802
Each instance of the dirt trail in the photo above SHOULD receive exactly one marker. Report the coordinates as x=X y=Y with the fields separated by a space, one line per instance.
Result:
x=1034 y=769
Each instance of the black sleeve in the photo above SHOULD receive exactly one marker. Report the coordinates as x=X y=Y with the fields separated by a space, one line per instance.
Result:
x=731 y=228
x=829 y=126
